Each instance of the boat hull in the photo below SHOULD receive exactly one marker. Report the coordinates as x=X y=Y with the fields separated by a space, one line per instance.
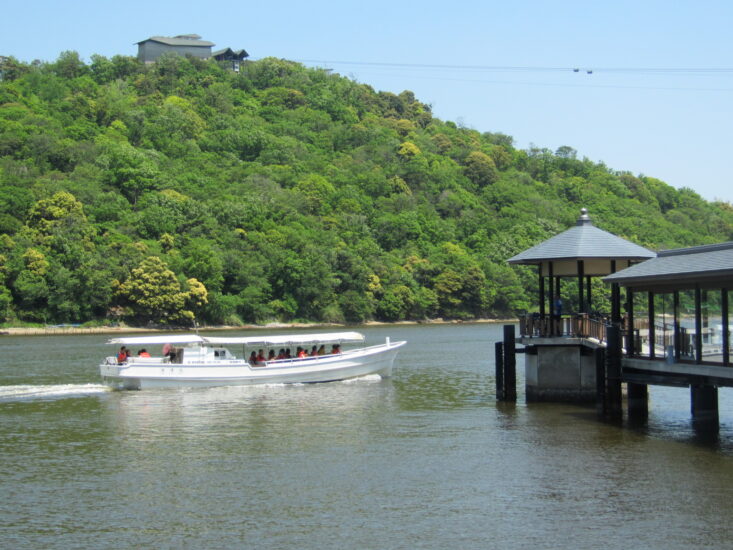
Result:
x=157 y=374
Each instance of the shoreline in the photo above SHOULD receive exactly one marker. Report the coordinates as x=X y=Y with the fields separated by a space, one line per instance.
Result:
x=59 y=330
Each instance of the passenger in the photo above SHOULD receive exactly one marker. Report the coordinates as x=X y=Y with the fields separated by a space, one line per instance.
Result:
x=301 y=353
x=336 y=349
x=314 y=351
x=143 y=353
x=261 y=356
x=271 y=355
x=322 y=350
x=288 y=355
x=281 y=354
x=252 y=358
x=123 y=355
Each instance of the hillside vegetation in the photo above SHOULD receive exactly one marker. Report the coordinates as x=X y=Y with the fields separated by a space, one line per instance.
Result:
x=181 y=190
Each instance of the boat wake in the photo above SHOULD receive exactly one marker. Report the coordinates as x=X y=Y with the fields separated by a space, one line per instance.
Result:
x=365 y=378
x=59 y=391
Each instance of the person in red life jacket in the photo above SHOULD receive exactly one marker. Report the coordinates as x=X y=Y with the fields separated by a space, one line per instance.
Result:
x=302 y=353
x=143 y=353
x=281 y=355
x=261 y=356
x=336 y=348
x=314 y=351
x=123 y=355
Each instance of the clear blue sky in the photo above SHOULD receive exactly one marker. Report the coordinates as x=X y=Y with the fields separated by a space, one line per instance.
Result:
x=673 y=126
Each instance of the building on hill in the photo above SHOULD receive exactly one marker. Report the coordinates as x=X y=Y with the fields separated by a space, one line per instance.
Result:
x=152 y=48
x=232 y=57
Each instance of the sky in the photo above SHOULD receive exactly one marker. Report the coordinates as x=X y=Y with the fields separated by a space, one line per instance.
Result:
x=652 y=95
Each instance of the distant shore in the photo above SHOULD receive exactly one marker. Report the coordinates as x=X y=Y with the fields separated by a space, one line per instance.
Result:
x=59 y=330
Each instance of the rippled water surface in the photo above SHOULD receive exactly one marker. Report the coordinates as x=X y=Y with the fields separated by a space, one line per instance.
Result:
x=425 y=459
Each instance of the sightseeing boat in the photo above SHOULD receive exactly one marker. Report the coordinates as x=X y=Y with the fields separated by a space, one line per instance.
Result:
x=193 y=360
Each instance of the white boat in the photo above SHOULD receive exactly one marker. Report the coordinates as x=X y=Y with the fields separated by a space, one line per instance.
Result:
x=192 y=360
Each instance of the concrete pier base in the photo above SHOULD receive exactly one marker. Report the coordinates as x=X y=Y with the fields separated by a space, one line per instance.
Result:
x=560 y=373
x=704 y=404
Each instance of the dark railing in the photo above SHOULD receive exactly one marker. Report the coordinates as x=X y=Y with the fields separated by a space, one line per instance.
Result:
x=580 y=325
x=636 y=342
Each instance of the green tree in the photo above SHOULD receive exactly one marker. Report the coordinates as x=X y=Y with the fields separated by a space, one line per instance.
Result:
x=153 y=293
x=480 y=169
x=130 y=170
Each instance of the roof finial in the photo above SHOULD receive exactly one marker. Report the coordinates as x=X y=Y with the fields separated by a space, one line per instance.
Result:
x=584 y=219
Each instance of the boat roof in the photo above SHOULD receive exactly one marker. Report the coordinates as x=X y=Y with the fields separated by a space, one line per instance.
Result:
x=276 y=340
x=157 y=339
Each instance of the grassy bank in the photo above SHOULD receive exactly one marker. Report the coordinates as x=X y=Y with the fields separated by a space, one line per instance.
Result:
x=59 y=330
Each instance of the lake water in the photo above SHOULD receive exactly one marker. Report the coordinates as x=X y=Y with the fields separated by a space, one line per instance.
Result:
x=425 y=459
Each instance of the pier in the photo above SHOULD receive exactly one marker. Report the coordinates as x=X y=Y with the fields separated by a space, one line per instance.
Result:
x=668 y=322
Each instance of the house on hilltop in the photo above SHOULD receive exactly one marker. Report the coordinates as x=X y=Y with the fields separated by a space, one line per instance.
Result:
x=152 y=48
x=232 y=57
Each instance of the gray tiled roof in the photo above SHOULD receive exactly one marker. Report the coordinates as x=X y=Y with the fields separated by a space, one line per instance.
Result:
x=698 y=262
x=584 y=241
x=178 y=41
x=237 y=53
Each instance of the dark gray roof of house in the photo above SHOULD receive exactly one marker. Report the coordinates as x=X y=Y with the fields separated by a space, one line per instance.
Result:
x=181 y=40
x=583 y=241
x=711 y=261
x=237 y=53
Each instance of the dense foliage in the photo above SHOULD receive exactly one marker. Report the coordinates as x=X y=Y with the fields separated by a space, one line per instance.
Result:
x=177 y=190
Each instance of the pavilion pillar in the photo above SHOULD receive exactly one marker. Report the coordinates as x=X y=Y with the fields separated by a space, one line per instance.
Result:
x=615 y=298
x=677 y=331
x=542 y=292
x=551 y=297
x=652 y=331
x=581 y=276
x=630 y=344
x=587 y=293
x=615 y=304
x=726 y=331
x=698 y=324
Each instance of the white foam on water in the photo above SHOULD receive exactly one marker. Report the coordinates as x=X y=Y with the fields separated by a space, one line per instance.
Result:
x=60 y=391
x=365 y=378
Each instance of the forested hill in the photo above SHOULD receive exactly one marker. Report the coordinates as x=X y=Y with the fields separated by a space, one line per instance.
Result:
x=163 y=192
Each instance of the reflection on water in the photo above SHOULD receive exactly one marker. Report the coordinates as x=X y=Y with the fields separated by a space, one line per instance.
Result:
x=254 y=410
x=425 y=459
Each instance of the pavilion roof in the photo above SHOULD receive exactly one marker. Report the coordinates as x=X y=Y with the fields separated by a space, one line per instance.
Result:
x=682 y=266
x=584 y=241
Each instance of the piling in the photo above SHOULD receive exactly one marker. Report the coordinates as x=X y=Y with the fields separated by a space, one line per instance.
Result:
x=601 y=397
x=704 y=404
x=506 y=366
x=613 y=372
x=510 y=364
x=499 y=355
x=638 y=400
